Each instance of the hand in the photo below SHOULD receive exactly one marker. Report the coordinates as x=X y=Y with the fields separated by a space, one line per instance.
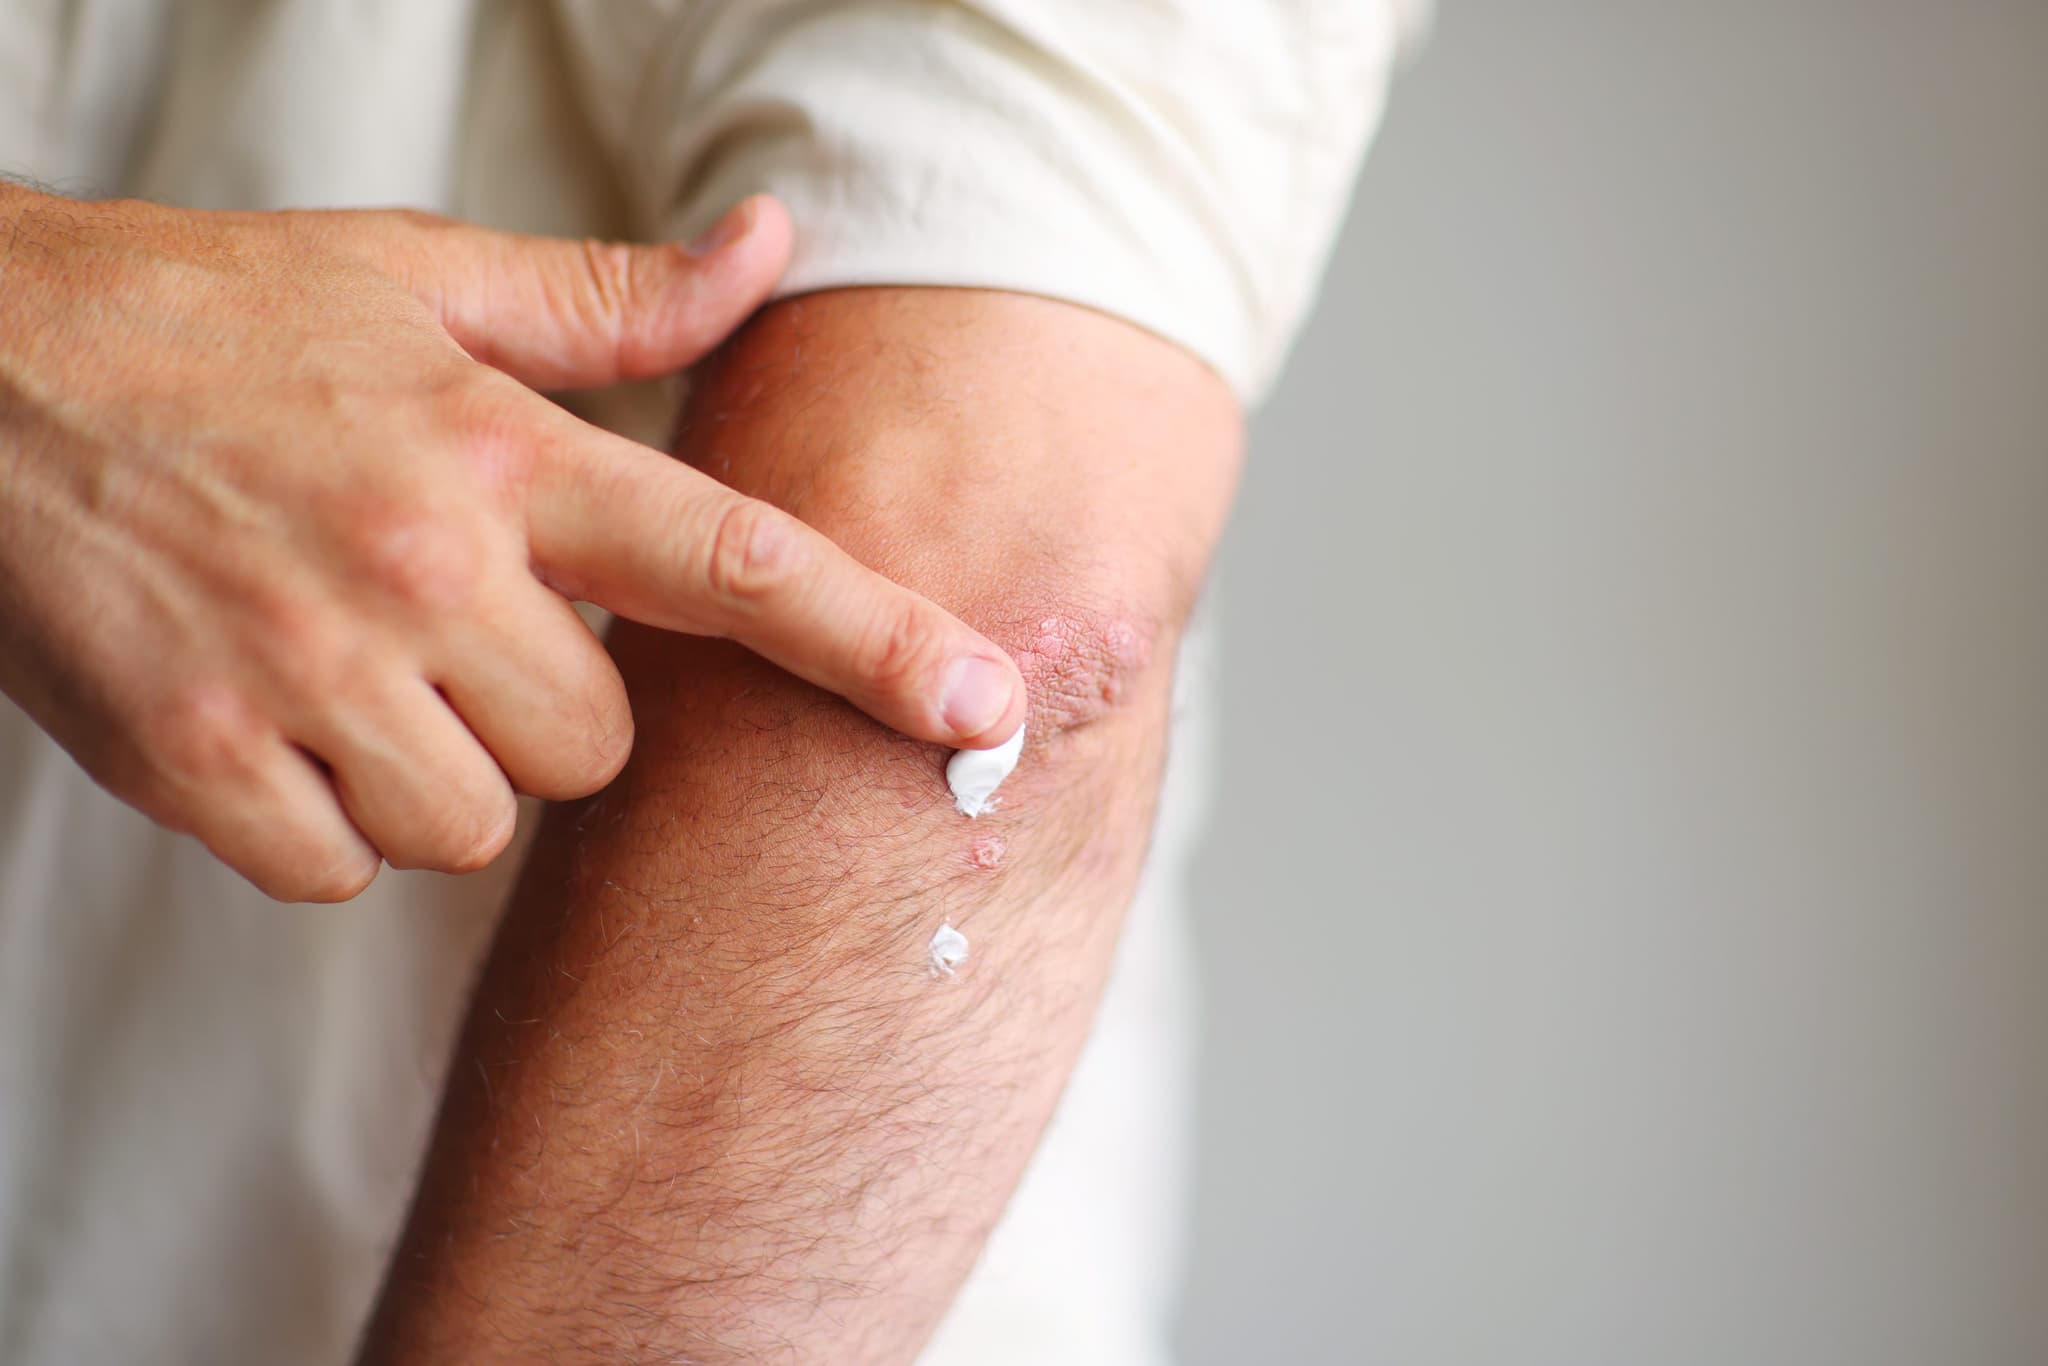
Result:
x=286 y=543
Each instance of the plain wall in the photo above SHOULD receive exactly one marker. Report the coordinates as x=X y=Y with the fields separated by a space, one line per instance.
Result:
x=1625 y=918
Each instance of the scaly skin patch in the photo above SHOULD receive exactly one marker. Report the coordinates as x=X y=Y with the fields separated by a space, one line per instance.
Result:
x=1079 y=668
x=986 y=852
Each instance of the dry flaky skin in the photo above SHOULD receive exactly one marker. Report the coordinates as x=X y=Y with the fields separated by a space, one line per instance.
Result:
x=712 y=1105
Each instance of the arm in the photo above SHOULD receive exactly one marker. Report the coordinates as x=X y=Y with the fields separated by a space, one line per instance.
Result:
x=711 y=1103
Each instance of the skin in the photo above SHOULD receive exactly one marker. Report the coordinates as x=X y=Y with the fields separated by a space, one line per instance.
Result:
x=711 y=1104
x=287 y=535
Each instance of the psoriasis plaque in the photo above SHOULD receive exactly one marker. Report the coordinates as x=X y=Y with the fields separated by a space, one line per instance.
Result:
x=986 y=853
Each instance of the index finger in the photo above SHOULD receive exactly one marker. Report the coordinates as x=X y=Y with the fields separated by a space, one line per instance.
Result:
x=647 y=537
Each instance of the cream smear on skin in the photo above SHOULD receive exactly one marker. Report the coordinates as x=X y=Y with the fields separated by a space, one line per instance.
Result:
x=975 y=774
x=948 y=950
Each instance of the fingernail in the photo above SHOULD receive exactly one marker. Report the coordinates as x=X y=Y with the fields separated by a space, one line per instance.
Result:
x=976 y=696
x=738 y=220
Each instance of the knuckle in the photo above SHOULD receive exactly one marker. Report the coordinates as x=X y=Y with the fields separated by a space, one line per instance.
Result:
x=587 y=289
x=606 y=278
x=755 y=551
x=471 y=399
x=479 y=415
x=899 y=650
x=424 y=560
x=490 y=431
x=202 y=735
x=310 y=652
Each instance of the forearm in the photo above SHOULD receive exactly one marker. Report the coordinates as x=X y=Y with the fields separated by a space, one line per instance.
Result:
x=713 y=1102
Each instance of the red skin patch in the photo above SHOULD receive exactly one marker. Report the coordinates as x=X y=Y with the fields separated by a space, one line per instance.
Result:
x=986 y=852
x=1080 y=669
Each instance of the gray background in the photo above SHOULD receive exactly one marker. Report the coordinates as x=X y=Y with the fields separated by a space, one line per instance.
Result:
x=1625 y=923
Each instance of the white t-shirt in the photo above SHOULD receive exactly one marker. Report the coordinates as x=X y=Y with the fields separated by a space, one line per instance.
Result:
x=212 y=1106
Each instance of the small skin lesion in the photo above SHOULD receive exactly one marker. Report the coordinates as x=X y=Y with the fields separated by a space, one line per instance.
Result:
x=985 y=852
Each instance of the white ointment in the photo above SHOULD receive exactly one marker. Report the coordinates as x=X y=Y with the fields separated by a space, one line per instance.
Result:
x=948 y=950
x=975 y=774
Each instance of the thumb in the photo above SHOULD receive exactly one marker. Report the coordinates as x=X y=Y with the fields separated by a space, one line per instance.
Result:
x=557 y=313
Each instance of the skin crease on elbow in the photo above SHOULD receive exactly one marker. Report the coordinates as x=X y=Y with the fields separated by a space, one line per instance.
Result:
x=322 y=654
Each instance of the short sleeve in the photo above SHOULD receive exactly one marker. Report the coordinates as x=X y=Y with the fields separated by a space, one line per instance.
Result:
x=1181 y=164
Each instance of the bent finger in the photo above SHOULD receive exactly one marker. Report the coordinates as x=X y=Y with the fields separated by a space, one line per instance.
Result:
x=656 y=541
x=280 y=824
x=536 y=687
x=413 y=779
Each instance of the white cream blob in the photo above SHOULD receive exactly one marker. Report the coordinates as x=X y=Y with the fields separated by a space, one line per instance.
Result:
x=975 y=774
x=948 y=950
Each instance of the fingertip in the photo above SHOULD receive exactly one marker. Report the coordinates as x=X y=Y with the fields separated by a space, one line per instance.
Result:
x=345 y=878
x=772 y=226
x=759 y=223
x=732 y=225
x=981 y=700
x=757 y=257
x=706 y=288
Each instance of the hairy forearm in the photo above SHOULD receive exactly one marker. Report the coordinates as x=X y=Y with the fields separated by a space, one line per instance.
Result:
x=713 y=1103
